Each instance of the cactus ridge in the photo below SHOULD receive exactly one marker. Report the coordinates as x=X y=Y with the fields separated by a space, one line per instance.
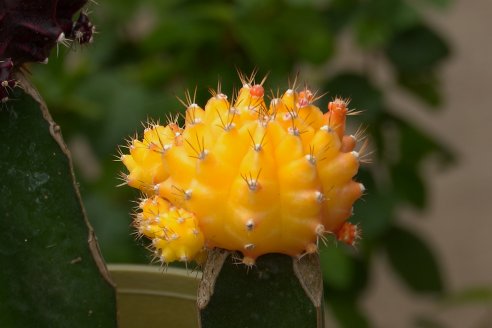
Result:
x=252 y=177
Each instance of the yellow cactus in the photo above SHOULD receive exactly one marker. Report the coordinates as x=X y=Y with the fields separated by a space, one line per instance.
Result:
x=246 y=176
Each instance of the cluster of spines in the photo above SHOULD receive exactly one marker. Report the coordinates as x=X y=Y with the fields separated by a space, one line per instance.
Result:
x=184 y=164
x=30 y=29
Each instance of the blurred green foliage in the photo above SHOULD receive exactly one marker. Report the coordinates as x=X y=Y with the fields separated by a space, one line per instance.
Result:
x=149 y=51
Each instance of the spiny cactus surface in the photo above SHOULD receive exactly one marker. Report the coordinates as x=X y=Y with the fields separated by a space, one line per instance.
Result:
x=247 y=176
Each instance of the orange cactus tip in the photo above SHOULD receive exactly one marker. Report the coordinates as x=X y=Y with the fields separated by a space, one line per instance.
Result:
x=257 y=91
x=349 y=233
x=249 y=176
x=305 y=98
x=338 y=106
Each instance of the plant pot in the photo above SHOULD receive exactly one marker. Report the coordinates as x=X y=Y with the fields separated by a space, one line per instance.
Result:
x=149 y=297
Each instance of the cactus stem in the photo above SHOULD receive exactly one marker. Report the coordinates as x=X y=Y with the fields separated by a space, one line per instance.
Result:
x=290 y=289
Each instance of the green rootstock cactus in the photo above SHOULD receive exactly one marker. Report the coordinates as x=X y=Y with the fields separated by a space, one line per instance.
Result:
x=245 y=176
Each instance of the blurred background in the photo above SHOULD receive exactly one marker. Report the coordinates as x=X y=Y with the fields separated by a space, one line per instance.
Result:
x=419 y=70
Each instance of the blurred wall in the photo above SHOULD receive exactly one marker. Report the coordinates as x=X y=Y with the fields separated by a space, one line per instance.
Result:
x=458 y=222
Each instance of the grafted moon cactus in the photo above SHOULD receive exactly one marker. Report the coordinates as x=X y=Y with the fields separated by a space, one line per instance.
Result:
x=246 y=176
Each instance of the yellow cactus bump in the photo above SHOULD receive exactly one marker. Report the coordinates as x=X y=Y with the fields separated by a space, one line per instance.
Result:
x=246 y=176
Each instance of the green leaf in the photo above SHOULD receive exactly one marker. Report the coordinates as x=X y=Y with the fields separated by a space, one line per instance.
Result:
x=437 y=3
x=309 y=39
x=346 y=311
x=375 y=212
x=52 y=274
x=413 y=261
x=416 y=144
x=337 y=267
x=340 y=13
x=424 y=85
x=115 y=234
x=343 y=302
x=417 y=49
x=378 y=20
x=470 y=296
x=409 y=185
x=317 y=46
